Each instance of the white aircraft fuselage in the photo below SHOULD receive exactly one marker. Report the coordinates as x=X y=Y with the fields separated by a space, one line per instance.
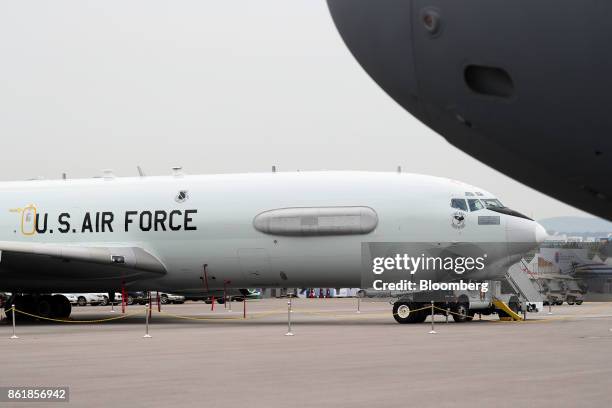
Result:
x=190 y=233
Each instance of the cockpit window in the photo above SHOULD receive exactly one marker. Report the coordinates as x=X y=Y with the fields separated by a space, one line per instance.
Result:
x=475 y=205
x=492 y=202
x=459 y=203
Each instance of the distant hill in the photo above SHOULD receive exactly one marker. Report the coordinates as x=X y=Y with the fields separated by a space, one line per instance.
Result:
x=584 y=226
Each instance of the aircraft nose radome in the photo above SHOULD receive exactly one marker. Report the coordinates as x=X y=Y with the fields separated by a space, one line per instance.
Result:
x=525 y=231
x=540 y=233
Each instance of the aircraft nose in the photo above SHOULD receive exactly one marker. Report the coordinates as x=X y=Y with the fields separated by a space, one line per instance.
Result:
x=540 y=233
x=522 y=230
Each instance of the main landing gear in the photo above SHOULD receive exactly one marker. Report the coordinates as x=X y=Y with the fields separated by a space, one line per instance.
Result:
x=46 y=306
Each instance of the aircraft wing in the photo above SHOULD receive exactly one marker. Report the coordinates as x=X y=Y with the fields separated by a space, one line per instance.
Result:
x=133 y=258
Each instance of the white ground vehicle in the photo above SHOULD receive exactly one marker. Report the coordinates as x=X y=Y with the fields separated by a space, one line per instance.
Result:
x=166 y=298
x=141 y=298
x=84 y=299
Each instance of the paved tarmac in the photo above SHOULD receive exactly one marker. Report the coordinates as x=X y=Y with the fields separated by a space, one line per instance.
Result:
x=337 y=358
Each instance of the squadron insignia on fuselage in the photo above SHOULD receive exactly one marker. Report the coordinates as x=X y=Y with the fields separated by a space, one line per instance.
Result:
x=458 y=220
x=182 y=196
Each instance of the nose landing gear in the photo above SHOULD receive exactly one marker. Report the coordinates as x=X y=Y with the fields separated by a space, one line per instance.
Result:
x=408 y=312
x=462 y=313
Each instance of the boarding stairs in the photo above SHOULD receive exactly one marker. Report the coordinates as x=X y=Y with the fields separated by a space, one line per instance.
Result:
x=527 y=289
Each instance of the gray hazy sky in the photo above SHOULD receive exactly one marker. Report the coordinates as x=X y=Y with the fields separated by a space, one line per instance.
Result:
x=214 y=86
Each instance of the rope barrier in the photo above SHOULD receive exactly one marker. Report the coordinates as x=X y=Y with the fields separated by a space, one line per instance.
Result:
x=200 y=318
x=453 y=313
x=323 y=313
x=124 y=316
x=229 y=318
x=250 y=317
x=76 y=321
x=418 y=310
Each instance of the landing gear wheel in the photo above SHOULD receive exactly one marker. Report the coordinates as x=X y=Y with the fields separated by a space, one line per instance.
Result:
x=44 y=306
x=164 y=300
x=81 y=301
x=64 y=308
x=403 y=312
x=579 y=302
x=19 y=303
x=462 y=313
x=33 y=305
x=57 y=306
x=26 y=303
x=220 y=300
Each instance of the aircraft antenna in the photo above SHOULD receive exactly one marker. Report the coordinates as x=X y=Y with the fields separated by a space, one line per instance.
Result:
x=177 y=171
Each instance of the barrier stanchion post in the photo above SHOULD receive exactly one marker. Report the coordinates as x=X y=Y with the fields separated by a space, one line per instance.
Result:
x=289 y=333
x=212 y=303
x=158 y=303
x=447 y=314
x=14 y=336
x=358 y=304
x=147 y=335
x=432 y=331
x=550 y=307
x=123 y=298
x=244 y=308
x=228 y=298
x=224 y=295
